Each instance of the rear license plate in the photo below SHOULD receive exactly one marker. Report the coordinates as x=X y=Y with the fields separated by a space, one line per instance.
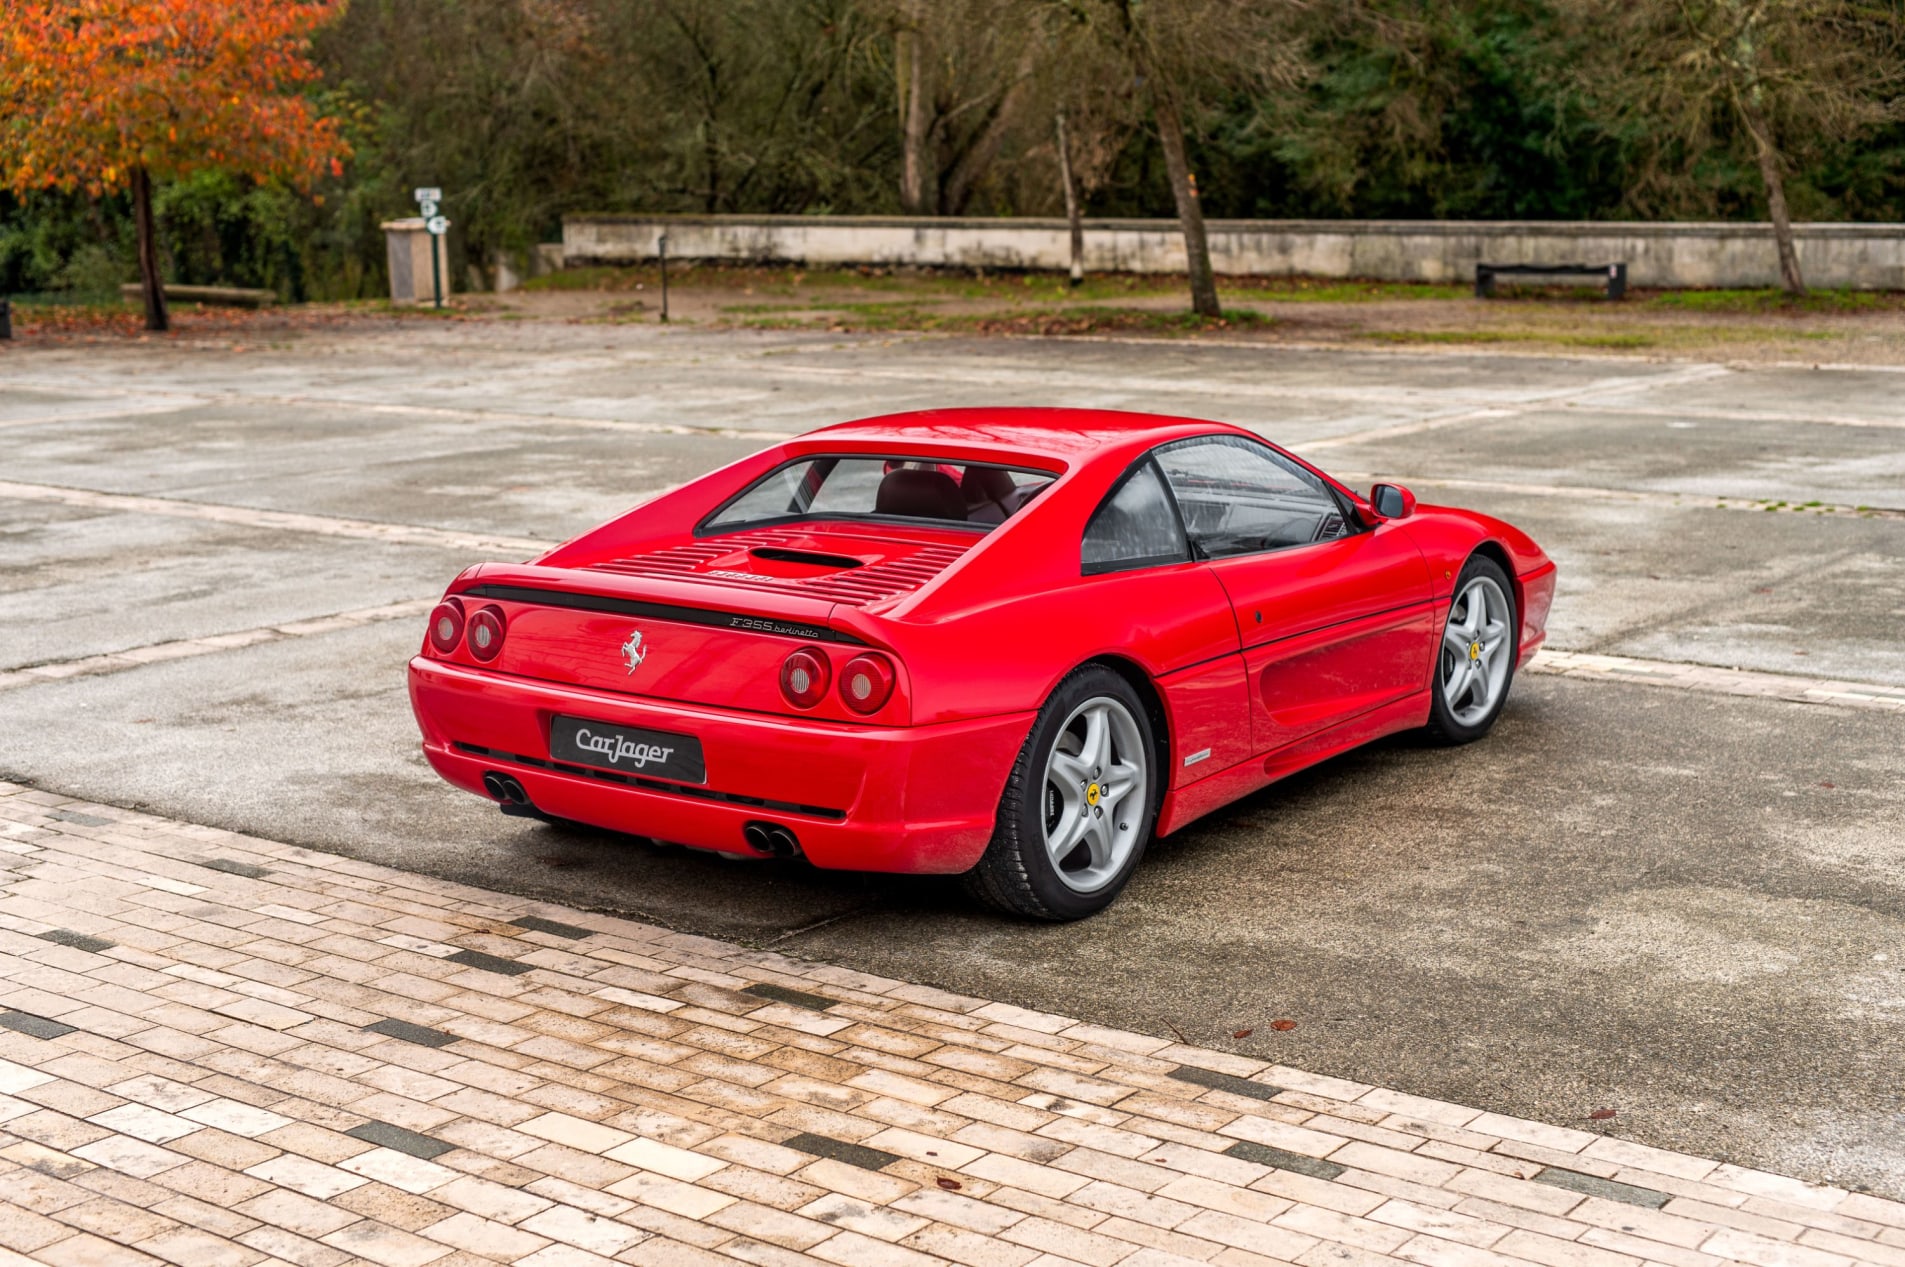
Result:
x=654 y=753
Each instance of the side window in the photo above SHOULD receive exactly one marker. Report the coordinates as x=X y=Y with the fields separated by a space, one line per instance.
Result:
x=1238 y=497
x=1136 y=526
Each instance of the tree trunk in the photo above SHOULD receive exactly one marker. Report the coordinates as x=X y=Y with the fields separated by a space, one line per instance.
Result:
x=1190 y=211
x=1769 y=170
x=158 y=319
x=915 y=129
x=1072 y=216
x=972 y=165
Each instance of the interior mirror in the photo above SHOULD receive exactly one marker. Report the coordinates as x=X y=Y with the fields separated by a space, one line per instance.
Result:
x=1392 y=501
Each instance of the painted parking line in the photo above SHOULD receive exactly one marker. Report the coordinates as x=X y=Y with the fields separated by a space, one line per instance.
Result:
x=281 y=520
x=210 y=644
x=192 y=399
x=665 y=1103
x=1644 y=496
x=170 y=406
x=1581 y=666
x=1586 y=666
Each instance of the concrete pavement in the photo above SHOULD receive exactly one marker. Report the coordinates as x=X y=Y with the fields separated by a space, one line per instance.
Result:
x=1630 y=896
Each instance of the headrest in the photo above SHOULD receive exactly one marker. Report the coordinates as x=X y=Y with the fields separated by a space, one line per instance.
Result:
x=986 y=484
x=919 y=494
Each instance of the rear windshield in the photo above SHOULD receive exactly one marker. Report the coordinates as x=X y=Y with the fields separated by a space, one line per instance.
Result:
x=974 y=494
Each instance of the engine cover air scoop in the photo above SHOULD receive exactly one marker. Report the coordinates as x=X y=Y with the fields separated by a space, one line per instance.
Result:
x=811 y=558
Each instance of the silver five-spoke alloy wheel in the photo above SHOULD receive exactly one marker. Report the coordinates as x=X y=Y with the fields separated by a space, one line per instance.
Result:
x=1097 y=785
x=1476 y=655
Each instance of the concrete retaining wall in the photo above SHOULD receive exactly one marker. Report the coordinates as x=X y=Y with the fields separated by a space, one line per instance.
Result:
x=1866 y=256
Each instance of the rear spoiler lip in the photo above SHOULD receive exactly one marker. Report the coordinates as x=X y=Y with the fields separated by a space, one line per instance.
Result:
x=579 y=600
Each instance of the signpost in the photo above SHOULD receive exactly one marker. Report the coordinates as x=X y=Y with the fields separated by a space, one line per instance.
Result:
x=661 y=249
x=427 y=200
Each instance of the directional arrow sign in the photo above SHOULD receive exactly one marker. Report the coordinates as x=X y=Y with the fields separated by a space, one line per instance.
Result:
x=427 y=209
x=437 y=225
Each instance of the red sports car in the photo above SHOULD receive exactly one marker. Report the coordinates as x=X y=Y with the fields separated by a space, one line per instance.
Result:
x=1012 y=644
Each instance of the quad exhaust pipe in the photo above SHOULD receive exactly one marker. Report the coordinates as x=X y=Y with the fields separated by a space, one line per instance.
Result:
x=505 y=788
x=510 y=795
x=772 y=840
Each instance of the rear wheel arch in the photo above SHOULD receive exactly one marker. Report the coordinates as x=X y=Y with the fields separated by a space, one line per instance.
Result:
x=1147 y=690
x=1031 y=867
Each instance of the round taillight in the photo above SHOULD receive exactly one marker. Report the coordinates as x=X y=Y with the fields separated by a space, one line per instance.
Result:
x=867 y=682
x=446 y=625
x=485 y=636
x=805 y=676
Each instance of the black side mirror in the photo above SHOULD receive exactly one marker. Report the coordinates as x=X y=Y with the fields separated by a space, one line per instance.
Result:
x=1392 y=501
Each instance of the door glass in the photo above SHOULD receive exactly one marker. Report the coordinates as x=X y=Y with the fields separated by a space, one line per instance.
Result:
x=1238 y=497
x=1135 y=527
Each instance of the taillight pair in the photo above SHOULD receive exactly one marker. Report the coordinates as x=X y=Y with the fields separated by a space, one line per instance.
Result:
x=865 y=684
x=482 y=630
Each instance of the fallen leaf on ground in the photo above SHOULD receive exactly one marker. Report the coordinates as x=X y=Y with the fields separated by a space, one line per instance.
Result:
x=1600 y=1115
x=1283 y=1025
x=950 y=1185
x=1243 y=1033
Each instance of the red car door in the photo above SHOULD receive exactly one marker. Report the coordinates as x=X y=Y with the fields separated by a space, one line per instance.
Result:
x=1333 y=619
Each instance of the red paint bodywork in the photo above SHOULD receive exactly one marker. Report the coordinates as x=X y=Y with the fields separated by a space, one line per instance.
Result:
x=1257 y=666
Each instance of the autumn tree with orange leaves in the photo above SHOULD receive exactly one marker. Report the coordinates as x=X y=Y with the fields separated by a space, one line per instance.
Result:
x=104 y=95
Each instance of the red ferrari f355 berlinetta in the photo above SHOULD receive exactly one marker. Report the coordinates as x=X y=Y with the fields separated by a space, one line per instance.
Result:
x=1012 y=644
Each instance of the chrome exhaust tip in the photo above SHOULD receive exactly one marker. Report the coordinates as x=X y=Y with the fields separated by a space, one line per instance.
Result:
x=505 y=788
x=771 y=840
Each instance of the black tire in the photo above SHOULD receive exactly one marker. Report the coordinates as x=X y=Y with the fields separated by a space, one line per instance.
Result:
x=1445 y=727
x=1016 y=874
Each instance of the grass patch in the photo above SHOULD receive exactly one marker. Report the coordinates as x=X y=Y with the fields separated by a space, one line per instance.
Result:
x=1315 y=291
x=1448 y=336
x=910 y=315
x=1606 y=340
x=1628 y=341
x=595 y=277
x=1105 y=320
x=1590 y=290
x=1771 y=300
x=72 y=300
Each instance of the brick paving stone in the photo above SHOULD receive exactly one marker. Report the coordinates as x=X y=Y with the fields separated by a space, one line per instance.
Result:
x=216 y=1050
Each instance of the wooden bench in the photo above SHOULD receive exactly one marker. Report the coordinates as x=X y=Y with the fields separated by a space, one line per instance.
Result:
x=218 y=296
x=1615 y=275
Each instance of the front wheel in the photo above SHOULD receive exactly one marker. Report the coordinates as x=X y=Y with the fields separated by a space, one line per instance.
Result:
x=1079 y=805
x=1475 y=662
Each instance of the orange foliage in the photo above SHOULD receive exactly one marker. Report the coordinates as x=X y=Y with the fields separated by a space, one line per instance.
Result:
x=91 y=90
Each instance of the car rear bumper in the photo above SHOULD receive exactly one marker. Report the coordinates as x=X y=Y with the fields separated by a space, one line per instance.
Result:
x=862 y=798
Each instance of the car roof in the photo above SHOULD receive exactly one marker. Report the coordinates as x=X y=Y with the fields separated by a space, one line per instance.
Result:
x=1064 y=434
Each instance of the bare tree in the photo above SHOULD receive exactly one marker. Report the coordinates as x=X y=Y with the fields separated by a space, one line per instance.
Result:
x=1776 y=77
x=1180 y=55
x=966 y=82
x=916 y=125
x=1073 y=219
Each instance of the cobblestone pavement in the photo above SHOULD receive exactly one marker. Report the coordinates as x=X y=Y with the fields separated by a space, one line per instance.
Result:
x=219 y=1050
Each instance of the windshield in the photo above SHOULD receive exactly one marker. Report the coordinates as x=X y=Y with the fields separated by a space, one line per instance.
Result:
x=974 y=494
